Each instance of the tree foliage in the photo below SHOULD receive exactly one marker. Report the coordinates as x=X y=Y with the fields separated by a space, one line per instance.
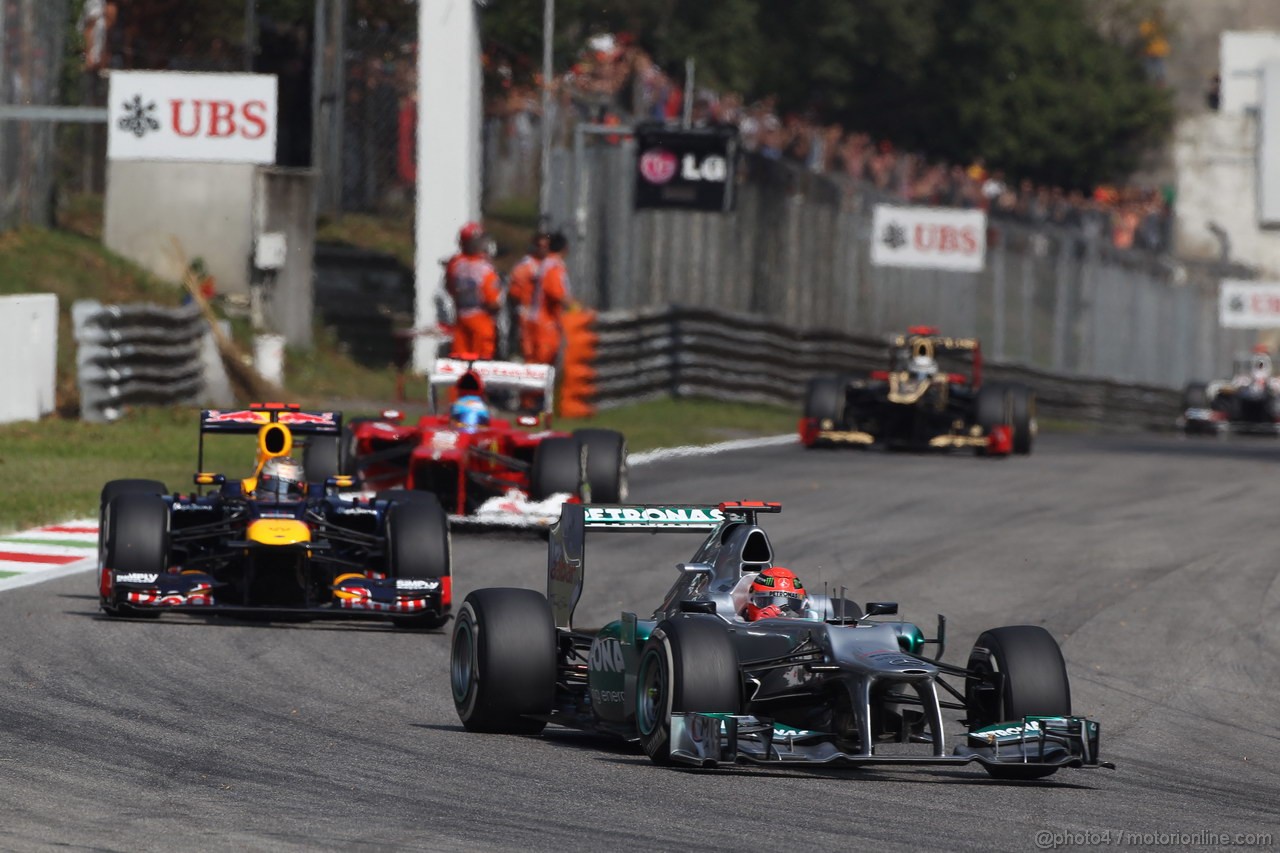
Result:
x=1053 y=90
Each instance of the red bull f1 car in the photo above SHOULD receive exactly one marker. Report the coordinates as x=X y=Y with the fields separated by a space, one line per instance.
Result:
x=696 y=683
x=931 y=396
x=1248 y=402
x=272 y=542
x=485 y=469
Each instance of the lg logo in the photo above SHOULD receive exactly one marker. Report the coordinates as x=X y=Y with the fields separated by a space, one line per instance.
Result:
x=713 y=168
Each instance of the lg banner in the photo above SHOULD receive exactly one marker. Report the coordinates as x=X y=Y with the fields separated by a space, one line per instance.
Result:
x=689 y=169
x=169 y=115
x=930 y=237
x=1249 y=304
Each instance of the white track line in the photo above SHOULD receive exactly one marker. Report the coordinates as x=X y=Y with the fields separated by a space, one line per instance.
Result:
x=665 y=453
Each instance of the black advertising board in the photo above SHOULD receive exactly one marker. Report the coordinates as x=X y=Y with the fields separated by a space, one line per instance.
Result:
x=685 y=169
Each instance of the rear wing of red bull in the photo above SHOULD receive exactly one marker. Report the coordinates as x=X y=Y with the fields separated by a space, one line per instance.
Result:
x=252 y=419
x=566 y=544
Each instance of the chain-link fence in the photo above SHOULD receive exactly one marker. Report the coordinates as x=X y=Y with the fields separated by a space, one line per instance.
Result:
x=796 y=250
x=32 y=35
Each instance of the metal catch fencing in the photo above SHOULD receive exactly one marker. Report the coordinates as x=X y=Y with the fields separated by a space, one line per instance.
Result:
x=139 y=355
x=699 y=352
x=797 y=250
x=32 y=35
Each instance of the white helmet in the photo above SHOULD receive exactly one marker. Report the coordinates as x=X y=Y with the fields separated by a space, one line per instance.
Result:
x=922 y=367
x=281 y=478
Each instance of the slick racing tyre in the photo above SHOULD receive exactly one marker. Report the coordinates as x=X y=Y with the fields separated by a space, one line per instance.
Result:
x=824 y=398
x=824 y=404
x=348 y=455
x=114 y=489
x=1022 y=412
x=1020 y=672
x=606 y=464
x=1195 y=396
x=689 y=664
x=557 y=469
x=136 y=537
x=320 y=458
x=419 y=546
x=502 y=664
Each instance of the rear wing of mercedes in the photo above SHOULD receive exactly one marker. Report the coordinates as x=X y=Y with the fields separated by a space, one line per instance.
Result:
x=566 y=544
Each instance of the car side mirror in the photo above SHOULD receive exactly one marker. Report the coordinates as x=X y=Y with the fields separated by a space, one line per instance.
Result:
x=395 y=416
x=708 y=607
x=881 y=608
x=341 y=481
x=206 y=479
x=528 y=420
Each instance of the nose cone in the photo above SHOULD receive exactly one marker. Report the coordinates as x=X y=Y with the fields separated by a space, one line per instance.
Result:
x=278 y=531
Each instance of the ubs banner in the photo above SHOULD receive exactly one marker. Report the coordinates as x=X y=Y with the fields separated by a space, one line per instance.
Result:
x=1249 y=304
x=686 y=169
x=929 y=237
x=173 y=115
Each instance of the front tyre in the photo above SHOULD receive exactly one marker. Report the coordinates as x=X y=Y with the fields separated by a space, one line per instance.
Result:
x=136 y=542
x=1017 y=671
x=688 y=664
x=502 y=666
x=419 y=546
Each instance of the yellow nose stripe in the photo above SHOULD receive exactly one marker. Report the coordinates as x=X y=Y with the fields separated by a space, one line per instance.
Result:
x=278 y=531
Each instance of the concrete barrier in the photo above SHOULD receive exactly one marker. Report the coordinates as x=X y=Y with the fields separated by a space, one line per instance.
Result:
x=28 y=353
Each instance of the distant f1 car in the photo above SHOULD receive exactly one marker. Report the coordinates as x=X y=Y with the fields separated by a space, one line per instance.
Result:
x=1248 y=402
x=493 y=471
x=696 y=684
x=284 y=548
x=915 y=403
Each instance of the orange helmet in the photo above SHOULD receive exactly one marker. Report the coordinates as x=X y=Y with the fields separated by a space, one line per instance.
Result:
x=468 y=234
x=775 y=592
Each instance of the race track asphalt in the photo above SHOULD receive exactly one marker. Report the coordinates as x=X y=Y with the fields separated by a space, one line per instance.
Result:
x=1154 y=560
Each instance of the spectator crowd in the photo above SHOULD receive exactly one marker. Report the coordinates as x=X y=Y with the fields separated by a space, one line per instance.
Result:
x=615 y=81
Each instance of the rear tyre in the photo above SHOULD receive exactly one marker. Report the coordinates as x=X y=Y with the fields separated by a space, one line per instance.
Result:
x=557 y=469
x=502 y=666
x=320 y=458
x=348 y=457
x=824 y=398
x=606 y=464
x=419 y=546
x=137 y=542
x=1195 y=396
x=1020 y=672
x=1022 y=412
x=688 y=664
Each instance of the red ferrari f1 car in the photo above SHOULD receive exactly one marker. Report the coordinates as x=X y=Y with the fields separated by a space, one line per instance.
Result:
x=483 y=468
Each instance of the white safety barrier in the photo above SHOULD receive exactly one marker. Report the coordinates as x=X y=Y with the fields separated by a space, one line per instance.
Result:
x=28 y=353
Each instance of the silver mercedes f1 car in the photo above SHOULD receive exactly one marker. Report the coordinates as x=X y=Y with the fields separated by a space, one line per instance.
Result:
x=695 y=683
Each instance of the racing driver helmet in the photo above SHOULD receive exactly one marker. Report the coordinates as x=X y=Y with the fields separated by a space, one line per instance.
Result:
x=922 y=367
x=282 y=478
x=776 y=592
x=469 y=414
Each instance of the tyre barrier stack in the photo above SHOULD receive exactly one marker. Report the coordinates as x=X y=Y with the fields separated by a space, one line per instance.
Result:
x=137 y=354
x=677 y=351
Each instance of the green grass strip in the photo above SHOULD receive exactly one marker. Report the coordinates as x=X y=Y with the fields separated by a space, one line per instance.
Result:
x=8 y=540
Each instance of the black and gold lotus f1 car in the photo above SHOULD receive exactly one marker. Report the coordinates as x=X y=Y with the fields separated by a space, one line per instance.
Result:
x=932 y=396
